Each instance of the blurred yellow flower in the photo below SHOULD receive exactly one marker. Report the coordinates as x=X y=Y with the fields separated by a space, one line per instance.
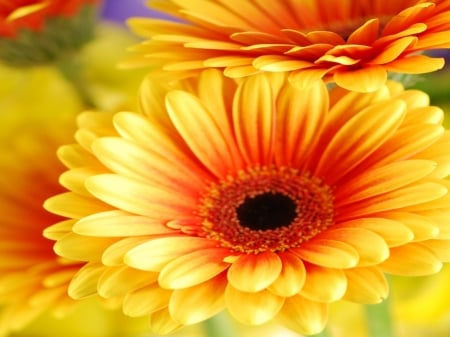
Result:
x=256 y=197
x=354 y=43
x=33 y=125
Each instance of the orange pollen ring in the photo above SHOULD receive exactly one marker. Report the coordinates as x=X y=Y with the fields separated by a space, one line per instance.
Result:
x=221 y=221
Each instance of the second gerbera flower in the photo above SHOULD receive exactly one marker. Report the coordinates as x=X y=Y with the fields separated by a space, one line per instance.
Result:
x=255 y=197
x=353 y=43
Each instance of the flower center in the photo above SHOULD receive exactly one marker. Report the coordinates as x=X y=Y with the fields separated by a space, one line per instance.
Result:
x=266 y=209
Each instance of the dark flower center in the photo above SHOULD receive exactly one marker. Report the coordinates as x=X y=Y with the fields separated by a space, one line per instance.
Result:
x=266 y=208
x=266 y=211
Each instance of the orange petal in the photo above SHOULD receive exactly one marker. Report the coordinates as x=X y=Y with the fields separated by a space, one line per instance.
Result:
x=324 y=284
x=292 y=276
x=304 y=316
x=358 y=138
x=305 y=78
x=366 y=285
x=300 y=114
x=193 y=268
x=365 y=34
x=280 y=63
x=198 y=303
x=146 y=300
x=252 y=308
x=413 y=259
x=253 y=120
x=255 y=272
x=383 y=179
x=393 y=51
x=367 y=79
x=422 y=227
x=201 y=132
x=415 y=64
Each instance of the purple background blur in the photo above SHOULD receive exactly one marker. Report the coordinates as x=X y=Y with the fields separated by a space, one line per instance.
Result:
x=121 y=10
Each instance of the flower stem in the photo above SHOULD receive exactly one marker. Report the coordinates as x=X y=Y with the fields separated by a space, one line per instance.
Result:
x=379 y=320
x=220 y=326
x=71 y=68
x=324 y=333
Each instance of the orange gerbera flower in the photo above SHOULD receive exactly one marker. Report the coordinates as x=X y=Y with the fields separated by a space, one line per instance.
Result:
x=256 y=197
x=32 y=14
x=39 y=31
x=354 y=43
x=33 y=278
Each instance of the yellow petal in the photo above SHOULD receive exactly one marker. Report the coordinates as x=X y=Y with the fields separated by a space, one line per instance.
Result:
x=395 y=233
x=252 y=308
x=146 y=300
x=82 y=248
x=154 y=254
x=198 y=303
x=114 y=254
x=422 y=227
x=154 y=201
x=162 y=323
x=328 y=253
x=84 y=282
x=119 y=224
x=366 y=79
x=75 y=206
x=413 y=259
x=304 y=316
x=440 y=248
x=371 y=247
x=366 y=285
x=393 y=50
x=118 y=281
x=324 y=284
x=292 y=276
x=254 y=272
x=193 y=268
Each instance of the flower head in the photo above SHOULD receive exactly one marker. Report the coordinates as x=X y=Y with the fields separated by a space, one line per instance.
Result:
x=354 y=43
x=39 y=31
x=33 y=278
x=254 y=196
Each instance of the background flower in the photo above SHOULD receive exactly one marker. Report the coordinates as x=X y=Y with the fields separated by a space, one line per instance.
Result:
x=254 y=196
x=351 y=43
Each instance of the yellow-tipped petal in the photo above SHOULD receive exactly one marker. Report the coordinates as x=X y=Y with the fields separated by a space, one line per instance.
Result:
x=317 y=289
x=252 y=308
x=198 y=303
x=361 y=291
x=292 y=276
x=146 y=300
x=255 y=272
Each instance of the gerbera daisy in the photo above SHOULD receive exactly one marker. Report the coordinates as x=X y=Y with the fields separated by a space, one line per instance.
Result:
x=254 y=196
x=38 y=31
x=33 y=278
x=354 y=43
